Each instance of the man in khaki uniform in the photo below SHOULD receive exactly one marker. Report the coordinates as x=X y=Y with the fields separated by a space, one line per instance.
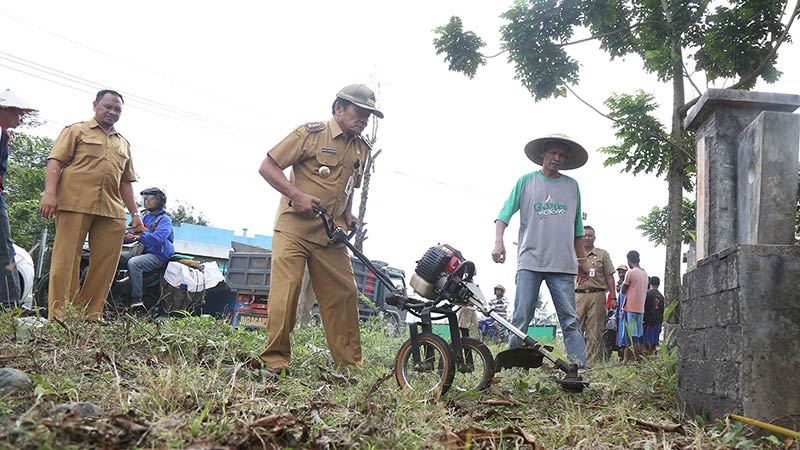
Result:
x=87 y=186
x=327 y=161
x=590 y=296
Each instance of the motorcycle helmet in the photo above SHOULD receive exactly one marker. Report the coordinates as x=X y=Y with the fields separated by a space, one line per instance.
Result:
x=501 y=288
x=157 y=193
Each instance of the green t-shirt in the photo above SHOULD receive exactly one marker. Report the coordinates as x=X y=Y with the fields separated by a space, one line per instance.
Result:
x=550 y=220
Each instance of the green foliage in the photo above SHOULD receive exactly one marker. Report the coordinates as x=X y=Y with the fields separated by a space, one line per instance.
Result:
x=642 y=137
x=24 y=187
x=532 y=37
x=185 y=213
x=737 y=38
x=461 y=48
x=654 y=225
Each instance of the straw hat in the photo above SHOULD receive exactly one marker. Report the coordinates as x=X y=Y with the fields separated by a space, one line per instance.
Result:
x=9 y=100
x=577 y=154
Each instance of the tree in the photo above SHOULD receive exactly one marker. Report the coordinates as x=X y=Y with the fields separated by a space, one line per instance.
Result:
x=654 y=225
x=738 y=41
x=184 y=213
x=24 y=187
x=369 y=169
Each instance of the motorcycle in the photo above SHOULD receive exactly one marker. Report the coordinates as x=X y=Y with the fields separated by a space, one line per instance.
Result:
x=118 y=300
x=491 y=329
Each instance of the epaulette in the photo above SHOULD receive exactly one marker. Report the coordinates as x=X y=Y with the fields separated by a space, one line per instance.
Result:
x=314 y=127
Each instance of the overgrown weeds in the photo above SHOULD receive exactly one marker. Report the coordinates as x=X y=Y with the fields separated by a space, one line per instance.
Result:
x=181 y=384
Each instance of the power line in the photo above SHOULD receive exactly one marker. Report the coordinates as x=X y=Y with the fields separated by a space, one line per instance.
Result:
x=193 y=119
x=99 y=52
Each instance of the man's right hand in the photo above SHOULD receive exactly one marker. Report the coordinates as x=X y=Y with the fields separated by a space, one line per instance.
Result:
x=49 y=204
x=303 y=202
x=499 y=253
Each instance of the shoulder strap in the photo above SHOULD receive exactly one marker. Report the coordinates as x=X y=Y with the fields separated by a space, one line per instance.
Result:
x=155 y=222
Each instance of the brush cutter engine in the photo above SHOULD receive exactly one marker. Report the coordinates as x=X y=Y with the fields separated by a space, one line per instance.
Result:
x=434 y=269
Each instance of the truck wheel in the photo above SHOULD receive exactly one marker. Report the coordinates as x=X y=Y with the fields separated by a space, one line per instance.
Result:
x=316 y=318
x=392 y=325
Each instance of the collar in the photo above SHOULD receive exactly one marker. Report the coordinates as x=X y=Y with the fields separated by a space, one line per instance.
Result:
x=593 y=250
x=93 y=124
x=336 y=130
x=545 y=177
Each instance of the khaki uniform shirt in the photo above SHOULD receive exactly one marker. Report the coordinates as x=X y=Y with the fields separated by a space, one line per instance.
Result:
x=326 y=163
x=599 y=268
x=95 y=163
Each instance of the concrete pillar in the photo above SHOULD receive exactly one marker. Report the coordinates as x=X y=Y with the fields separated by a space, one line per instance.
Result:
x=718 y=118
x=767 y=179
x=740 y=305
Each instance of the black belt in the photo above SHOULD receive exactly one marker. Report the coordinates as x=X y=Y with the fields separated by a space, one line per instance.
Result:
x=589 y=290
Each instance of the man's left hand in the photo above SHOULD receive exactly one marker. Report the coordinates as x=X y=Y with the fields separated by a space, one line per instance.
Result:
x=350 y=219
x=583 y=272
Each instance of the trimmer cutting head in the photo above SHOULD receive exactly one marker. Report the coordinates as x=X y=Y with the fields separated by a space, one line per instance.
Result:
x=573 y=383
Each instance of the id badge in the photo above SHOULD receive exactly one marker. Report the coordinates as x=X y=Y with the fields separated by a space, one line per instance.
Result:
x=348 y=189
x=591 y=272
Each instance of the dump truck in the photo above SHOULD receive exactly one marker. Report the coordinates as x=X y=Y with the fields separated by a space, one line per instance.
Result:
x=248 y=276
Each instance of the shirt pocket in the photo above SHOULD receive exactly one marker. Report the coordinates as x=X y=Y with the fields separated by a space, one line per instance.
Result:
x=118 y=154
x=91 y=146
x=328 y=157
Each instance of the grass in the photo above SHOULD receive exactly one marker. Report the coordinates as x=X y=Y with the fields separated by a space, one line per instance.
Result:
x=167 y=386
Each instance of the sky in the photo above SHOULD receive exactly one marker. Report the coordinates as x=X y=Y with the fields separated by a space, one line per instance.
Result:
x=210 y=89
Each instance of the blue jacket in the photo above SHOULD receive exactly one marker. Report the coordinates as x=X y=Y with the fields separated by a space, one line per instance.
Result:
x=159 y=241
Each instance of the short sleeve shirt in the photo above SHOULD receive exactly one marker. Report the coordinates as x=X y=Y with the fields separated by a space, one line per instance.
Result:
x=636 y=280
x=600 y=261
x=550 y=220
x=326 y=163
x=95 y=164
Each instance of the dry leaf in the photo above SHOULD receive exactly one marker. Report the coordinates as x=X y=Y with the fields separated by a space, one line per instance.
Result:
x=274 y=422
x=475 y=434
x=669 y=428
x=499 y=402
x=602 y=421
x=127 y=424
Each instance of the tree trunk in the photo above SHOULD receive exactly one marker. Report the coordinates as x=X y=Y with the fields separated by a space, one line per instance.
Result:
x=361 y=236
x=675 y=176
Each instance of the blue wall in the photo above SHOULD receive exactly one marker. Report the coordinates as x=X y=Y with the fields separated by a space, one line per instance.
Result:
x=214 y=236
x=217 y=236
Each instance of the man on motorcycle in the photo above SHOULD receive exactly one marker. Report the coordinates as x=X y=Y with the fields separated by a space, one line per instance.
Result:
x=490 y=328
x=156 y=236
x=499 y=303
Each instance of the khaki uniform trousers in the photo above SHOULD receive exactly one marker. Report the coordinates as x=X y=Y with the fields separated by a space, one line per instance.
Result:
x=333 y=281
x=468 y=318
x=591 y=310
x=105 y=242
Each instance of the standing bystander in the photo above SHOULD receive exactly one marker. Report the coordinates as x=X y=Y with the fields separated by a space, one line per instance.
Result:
x=88 y=185
x=550 y=238
x=327 y=161
x=590 y=296
x=12 y=110
x=653 y=316
x=635 y=289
